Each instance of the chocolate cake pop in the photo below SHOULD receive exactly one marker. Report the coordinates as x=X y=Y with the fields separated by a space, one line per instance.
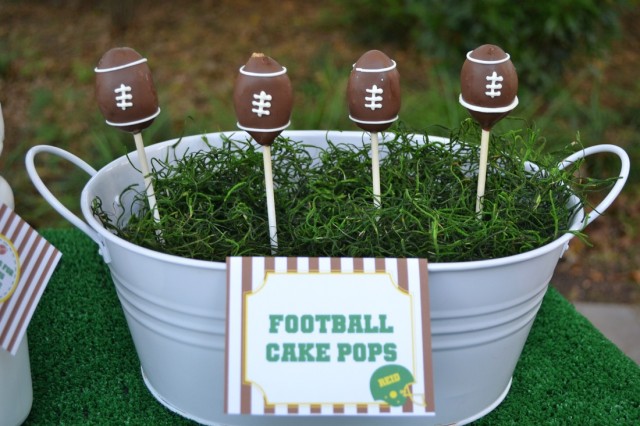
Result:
x=373 y=92
x=263 y=98
x=125 y=91
x=488 y=86
x=128 y=101
x=373 y=96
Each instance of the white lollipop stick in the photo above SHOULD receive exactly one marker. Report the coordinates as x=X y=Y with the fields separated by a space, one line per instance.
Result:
x=482 y=169
x=375 y=168
x=271 y=204
x=146 y=174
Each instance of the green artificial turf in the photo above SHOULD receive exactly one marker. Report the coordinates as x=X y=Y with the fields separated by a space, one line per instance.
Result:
x=85 y=370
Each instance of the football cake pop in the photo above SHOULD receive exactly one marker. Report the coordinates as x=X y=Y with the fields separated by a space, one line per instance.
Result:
x=263 y=100
x=373 y=92
x=488 y=86
x=125 y=91
x=128 y=101
x=373 y=96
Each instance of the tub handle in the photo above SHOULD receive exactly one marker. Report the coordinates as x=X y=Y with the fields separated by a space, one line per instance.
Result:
x=53 y=201
x=616 y=189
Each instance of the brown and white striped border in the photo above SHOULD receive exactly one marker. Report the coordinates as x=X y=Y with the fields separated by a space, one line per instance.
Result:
x=38 y=260
x=409 y=274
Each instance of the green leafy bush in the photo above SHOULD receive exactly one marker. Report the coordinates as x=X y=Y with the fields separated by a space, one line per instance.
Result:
x=540 y=35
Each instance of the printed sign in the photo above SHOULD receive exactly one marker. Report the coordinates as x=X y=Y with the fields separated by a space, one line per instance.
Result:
x=9 y=268
x=27 y=261
x=328 y=336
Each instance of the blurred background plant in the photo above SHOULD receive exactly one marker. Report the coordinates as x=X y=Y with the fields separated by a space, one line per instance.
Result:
x=542 y=35
x=577 y=61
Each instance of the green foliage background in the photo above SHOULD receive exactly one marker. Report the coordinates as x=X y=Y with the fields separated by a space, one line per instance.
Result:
x=542 y=35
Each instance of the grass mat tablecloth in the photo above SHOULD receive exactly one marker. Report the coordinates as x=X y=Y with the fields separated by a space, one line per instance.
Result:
x=85 y=369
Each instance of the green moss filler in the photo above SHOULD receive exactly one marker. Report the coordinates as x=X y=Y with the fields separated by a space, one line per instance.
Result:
x=212 y=203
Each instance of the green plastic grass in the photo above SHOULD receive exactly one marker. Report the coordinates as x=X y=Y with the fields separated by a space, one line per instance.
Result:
x=212 y=203
x=86 y=372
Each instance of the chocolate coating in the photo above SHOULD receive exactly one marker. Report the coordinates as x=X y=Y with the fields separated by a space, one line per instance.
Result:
x=488 y=85
x=125 y=91
x=263 y=98
x=373 y=92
